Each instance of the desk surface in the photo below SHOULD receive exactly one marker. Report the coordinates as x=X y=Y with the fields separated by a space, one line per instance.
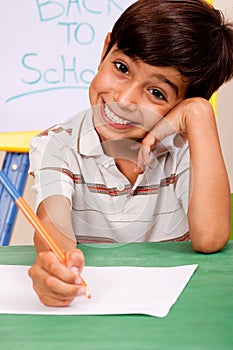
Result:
x=201 y=319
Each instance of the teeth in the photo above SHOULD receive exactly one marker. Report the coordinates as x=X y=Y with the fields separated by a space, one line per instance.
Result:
x=114 y=118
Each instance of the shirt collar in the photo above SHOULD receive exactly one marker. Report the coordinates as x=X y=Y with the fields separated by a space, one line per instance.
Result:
x=88 y=142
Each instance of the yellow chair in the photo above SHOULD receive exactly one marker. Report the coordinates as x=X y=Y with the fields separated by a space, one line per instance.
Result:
x=231 y=216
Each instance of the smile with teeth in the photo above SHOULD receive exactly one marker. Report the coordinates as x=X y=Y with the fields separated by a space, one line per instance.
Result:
x=115 y=118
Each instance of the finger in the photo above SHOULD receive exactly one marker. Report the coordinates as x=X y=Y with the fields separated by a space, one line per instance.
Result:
x=51 y=298
x=56 y=288
x=140 y=166
x=135 y=146
x=75 y=258
x=48 y=287
x=143 y=160
x=49 y=301
x=49 y=262
x=144 y=154
x=165 y=128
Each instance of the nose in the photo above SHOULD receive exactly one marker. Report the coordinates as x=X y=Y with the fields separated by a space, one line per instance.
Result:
x=128 y=95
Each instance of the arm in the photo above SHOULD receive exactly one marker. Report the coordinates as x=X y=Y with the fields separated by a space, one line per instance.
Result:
x=55 y=283
x=209 y=209
x=209 y=193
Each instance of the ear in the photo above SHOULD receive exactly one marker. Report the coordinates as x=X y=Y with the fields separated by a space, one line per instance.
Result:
x=106 y=42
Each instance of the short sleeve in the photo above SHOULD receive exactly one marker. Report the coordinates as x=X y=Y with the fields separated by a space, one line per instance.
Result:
x=51 y=162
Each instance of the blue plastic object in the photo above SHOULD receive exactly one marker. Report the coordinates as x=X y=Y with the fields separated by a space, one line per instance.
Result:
x=15 y=167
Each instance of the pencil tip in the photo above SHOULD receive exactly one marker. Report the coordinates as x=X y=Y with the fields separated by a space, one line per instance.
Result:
x=88 y=294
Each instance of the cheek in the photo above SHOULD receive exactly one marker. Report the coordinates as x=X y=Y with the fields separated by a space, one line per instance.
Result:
x=100 y=84
x=93 y=91
x=152 y=117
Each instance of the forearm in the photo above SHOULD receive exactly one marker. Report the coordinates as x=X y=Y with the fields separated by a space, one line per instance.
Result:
x=64 y=242
x=54 y=212
x=209 y=200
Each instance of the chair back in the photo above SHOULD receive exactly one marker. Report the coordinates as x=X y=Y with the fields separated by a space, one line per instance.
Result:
x=15 y=166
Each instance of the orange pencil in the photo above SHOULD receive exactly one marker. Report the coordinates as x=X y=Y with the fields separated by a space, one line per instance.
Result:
x=38 y=225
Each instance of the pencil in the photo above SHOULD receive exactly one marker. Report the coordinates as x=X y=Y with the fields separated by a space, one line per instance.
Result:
x=38 y=225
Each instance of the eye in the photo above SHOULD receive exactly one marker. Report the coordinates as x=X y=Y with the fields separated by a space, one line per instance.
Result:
x=121 y=67
x=158 y=94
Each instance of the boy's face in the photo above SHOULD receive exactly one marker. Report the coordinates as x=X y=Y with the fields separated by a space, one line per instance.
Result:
x=130 y=97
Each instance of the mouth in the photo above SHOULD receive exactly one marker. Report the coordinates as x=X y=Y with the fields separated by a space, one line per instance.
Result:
x=115 y=120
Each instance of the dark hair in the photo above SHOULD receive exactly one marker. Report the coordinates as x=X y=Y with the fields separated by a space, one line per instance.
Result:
x=188 y=35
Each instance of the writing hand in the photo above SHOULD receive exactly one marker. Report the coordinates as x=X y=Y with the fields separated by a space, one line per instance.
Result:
x=55 y=283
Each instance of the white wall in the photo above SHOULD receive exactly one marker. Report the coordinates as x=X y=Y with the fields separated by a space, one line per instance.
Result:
x=225 y=105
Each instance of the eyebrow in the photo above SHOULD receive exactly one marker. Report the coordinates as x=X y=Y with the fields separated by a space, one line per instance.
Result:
x=168 y=82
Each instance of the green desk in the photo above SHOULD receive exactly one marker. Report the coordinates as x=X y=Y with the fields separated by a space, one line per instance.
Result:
x=202 y=318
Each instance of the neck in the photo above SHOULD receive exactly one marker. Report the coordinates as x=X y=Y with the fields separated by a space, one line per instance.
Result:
x=125 y=157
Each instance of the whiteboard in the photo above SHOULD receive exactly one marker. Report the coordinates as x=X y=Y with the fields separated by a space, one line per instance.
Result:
x=50 y=51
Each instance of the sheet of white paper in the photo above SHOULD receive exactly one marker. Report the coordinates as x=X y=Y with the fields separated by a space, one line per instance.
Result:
x=114 y=290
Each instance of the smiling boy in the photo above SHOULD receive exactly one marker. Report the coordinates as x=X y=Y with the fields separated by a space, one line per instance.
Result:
x=145 y=163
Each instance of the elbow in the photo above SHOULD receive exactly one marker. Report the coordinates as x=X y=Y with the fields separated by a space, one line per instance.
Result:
x=210 y=241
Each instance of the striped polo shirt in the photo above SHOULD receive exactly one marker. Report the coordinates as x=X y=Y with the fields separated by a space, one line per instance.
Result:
x=68 y=159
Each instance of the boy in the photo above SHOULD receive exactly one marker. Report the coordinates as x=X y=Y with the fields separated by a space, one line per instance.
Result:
x=145 y=164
